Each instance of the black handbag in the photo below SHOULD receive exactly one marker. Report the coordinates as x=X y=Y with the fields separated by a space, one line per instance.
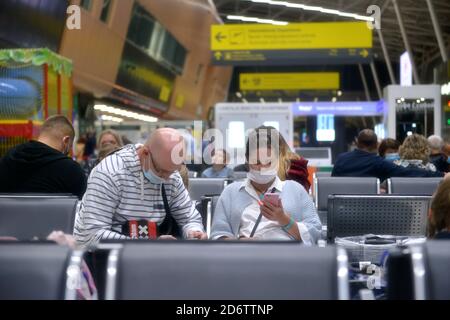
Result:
x=149 y=230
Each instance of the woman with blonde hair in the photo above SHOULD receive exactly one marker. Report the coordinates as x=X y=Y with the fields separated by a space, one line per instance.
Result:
x=415 y=153
x=292 y=166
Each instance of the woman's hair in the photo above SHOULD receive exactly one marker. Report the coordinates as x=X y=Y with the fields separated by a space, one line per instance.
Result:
x=261 y=137
x=114 y=134
x=388 y=144
x=415 y=147
x=440 y=209
x=286 y=155
x=184 y=173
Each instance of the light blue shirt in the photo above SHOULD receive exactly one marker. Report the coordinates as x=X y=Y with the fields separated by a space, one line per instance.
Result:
x=235 y=199
x=226 y=172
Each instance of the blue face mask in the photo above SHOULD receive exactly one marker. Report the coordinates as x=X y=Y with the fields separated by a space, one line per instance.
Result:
x=392 y=157
x=153 y=178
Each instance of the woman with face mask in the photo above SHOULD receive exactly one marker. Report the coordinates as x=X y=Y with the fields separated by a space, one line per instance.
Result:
x=262 y=206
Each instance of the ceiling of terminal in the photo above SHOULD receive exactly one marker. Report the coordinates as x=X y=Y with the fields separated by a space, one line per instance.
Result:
x=415 y=15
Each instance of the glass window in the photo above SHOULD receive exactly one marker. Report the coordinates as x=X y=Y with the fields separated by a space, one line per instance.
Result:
x=106 y=10
x=148 y=34
x=86 y=4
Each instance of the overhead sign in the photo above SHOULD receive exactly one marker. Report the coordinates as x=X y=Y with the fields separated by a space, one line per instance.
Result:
x=289 y=81
x=307 y=43
x=405 y=70
x=339 y=108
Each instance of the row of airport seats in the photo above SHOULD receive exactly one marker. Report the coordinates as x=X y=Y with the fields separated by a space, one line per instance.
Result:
x=237 y=175
x=35 y=216
x=324 y=186
x=191 y=270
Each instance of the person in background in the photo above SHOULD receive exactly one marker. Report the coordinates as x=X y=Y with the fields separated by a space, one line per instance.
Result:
x=437 y=155
x=43 y=165
x=388 y=149
x=415 y=153
x=243 y=212
x=365 y=162
x=108 y=141
x=125 y=140
x=292 y=166
x=220 y=167
x=129 y=187
x=184 y=173
x=439 y=214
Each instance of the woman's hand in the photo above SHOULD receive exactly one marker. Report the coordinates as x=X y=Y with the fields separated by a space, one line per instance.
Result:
x=274 y=213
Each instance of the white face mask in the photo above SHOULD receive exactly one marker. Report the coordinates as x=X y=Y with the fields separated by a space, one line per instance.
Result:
x=263 y=176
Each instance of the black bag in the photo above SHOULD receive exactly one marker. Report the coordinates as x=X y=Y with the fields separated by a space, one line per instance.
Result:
x=169 y=225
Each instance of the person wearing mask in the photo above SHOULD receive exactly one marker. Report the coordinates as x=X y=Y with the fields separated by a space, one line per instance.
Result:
x=415 y=153
x=131 y=192
x=43 y=165
x=108 y=141
x=388 y=149
x=365 y=162
x=262 y=206
x=219 y=167
x=437 y=156
x=439 y=214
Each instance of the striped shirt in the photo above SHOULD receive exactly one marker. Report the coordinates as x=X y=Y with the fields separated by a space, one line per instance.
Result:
x=118 y=192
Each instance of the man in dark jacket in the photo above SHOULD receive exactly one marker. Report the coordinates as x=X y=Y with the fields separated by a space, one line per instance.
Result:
x=364 y=162
x=43 y=166
x=437 y=157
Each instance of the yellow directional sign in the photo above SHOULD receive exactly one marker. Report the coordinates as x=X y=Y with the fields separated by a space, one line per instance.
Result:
x=321 y=35
x=289 y=81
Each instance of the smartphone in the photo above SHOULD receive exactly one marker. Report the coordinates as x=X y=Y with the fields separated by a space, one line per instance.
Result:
x=272 y=198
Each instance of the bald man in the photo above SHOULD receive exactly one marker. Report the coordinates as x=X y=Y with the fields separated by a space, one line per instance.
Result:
x=125 y=193
x=42 y=166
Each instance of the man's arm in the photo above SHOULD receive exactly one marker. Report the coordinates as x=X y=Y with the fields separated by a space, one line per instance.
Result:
x=183 y=210
x=97 y=209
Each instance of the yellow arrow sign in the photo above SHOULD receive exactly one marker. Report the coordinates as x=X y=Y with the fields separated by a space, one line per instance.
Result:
x=364 y=53
x=312 y=35
x=218 y=55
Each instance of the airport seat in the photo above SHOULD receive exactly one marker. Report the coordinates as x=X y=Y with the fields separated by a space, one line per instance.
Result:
x=207 y=207
x=420 y=272
x=199 y=187
x=413 y=186
x=355 y=215
x=326 y=186
x=35 y=216
x=198 y=270
x=38 y=271
x=192 y=174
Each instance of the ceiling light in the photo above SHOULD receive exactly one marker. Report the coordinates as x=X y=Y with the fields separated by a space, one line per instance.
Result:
x=125 y=113
x=315 y=8
x=110 y=118
x=258 y=20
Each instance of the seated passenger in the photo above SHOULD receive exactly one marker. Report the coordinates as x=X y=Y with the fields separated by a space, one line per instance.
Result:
x=219 y=168
x=243 y=212
x=43 y=166
x=127 y=190
x=109 y=140
x=415 y=153
x=437 y=155
x=388 y=149
x=439 y=216
x=364 y=162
